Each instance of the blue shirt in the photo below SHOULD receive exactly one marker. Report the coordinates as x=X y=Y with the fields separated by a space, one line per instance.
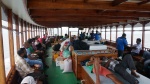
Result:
x=97 y=37
x=121 y=42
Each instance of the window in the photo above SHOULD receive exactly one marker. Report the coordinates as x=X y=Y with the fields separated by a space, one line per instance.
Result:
x=113 y=33
x=147 y=34
x=64 y=30
x=108 y=33
x=137 y=32
x=127 y=31
x=119 y=31
x=5 y=42
x=103 y=33
x=74 y=31
x=14 y=37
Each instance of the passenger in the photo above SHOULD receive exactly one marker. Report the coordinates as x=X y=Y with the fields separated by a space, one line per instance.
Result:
x=136 y=47
x=97 y=36
x=92 y=35
x=101 y=70
x=146 y=60
x=82 y=35
x=120 y=68
x=31 y=60
x=24 y=68
x=121 y=43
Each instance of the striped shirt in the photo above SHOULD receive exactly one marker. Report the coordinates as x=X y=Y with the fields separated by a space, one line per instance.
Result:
x=112 y=64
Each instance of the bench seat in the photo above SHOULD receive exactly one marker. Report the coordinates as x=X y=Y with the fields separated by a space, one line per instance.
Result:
x=105 y=80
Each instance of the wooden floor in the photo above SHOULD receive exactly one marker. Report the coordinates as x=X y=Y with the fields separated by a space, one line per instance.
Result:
x=55 y=75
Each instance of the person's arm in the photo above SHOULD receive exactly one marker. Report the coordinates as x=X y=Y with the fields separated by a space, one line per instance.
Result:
x=97 y=66
x=107 y=63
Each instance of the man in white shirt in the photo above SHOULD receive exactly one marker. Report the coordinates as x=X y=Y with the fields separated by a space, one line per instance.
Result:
x=136 y=48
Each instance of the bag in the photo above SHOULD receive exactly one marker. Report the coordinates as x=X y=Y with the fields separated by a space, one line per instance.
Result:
x=61 y=63
x=67 y=65
x=66 y=53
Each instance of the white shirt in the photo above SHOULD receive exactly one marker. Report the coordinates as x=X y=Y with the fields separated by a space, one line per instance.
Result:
x=138 y=48
x=28 y=80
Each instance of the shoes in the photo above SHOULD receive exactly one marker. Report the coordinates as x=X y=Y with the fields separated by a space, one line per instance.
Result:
x=135 y=75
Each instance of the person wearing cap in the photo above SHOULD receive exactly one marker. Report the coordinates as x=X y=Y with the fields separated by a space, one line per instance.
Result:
x=121 y=44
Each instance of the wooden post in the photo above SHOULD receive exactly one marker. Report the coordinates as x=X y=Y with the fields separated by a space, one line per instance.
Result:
x=116 y=32
x=124 y=27
x=35 y=30
x=143 y=34
x=29 y=30
x=68 y=31
x=70 y=36
x=17 y=32
x=38 y=31
x=11 y=41
x=25 y=26
x=58 y=31
x=132 y=26
x=78 y=32
x=110 y=32
x=105 y=32
x=61 y=31
x=53 y=31
x=22 y=28
x=2 y=64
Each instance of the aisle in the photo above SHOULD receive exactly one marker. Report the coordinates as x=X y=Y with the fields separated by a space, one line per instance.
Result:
x=55 y=75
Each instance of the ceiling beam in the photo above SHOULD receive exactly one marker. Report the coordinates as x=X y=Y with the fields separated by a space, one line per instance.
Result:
x=102 y=5
x=117 y=2
x=88 y=13
x=78 y=19
x=144 y=2
x=83 y=17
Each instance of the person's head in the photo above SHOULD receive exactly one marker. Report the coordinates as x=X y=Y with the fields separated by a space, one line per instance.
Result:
x=96 y=32
x=92 y=58
x=33 y=39
x=44 y=35
x=29 y=41
x=138 y=40
x=26 y=45
x=92 y=31
x=21 y=52
x=124 y=35
x=71 y=39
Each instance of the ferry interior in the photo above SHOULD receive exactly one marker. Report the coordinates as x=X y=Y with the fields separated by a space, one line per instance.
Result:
x=74 y=42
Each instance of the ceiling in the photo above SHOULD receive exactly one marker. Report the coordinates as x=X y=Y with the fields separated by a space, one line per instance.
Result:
x=81 y=13
x=19 y=8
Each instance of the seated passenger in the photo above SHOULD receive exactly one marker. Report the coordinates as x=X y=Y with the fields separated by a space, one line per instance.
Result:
x=146 y=60
x=23 y=67
x=31 y=60
x=29 y=80
x=136 y=47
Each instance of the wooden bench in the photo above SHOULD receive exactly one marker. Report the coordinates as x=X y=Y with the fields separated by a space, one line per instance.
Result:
x=81 y=55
